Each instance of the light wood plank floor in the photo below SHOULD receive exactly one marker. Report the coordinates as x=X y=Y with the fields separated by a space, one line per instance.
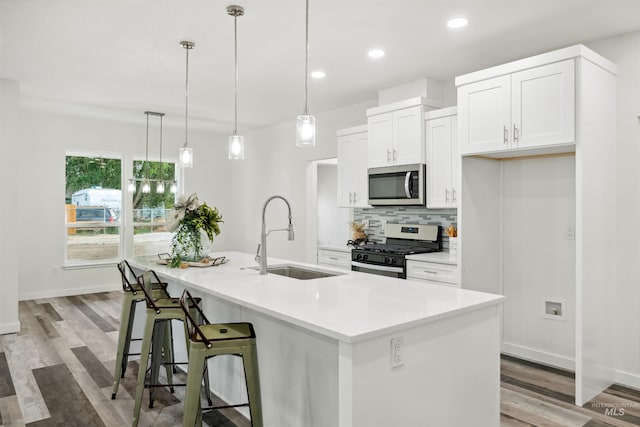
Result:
x=58 y=372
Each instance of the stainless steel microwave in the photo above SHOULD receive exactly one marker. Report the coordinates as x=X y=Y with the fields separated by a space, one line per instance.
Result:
x=398 y=185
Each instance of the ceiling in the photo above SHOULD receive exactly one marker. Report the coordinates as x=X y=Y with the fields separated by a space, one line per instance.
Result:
x=121 y=57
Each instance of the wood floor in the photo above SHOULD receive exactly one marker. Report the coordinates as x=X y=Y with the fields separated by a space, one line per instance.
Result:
x=58 y=372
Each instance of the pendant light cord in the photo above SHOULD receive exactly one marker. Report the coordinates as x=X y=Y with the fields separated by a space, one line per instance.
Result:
x=306 y=62
x=186 y=98
x=235 y=37
x=146 y=155
x=161 y=177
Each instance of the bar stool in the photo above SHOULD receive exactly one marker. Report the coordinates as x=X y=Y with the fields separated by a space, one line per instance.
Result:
x=160 y=311
x=132 y=295
x=208 y=340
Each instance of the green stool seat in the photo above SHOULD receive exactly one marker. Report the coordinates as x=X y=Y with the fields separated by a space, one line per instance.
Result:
x=160 y=312
x=132 y=295
x=208 y=340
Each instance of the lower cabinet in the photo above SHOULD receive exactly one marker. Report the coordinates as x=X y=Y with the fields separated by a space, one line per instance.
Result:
x=334 y=258
x=433 y=272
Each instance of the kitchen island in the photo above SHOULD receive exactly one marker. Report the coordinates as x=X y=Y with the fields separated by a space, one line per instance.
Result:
x=325 y=345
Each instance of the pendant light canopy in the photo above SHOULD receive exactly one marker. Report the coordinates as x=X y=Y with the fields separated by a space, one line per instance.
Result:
x=236 y=141
x=186 y=152
x=306 y=123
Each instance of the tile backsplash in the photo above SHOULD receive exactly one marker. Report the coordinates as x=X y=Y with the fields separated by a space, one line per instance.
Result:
x=405 y=215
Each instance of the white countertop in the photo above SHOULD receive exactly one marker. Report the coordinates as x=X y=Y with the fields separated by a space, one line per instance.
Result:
x=351 y=307
x=439 y=257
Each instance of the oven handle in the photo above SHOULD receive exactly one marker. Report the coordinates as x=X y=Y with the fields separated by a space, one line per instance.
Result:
x=377 y=267
x=407 y=179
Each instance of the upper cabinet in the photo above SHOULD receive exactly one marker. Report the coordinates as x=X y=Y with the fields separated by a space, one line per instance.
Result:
x=442 y=158
x=518 y=112
x=352 y=167
x=396 y=134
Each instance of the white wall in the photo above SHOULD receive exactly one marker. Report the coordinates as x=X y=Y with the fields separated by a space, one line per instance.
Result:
x=274 y=165
x=11 y=208
x=625 y=53
x=538 y=203
x=48 y=137
x=333 y=227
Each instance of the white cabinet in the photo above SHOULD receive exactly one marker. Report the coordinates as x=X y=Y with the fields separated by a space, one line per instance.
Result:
x=519 y=111
x=352 y=167
x=334 y=258
x=445 y=273
x=442 y=158
x=396 y=134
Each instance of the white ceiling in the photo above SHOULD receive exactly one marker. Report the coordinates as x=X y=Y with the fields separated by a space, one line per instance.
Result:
x=122 y=57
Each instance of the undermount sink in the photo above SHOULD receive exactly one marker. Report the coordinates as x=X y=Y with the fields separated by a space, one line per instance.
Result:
x=300 y=273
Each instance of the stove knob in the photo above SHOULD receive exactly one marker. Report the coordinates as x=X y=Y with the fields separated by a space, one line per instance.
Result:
x=388 y=260
x=358 y=256
x=364 y=258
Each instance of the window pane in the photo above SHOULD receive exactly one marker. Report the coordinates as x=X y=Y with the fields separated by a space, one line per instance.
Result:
x=150 y=210
x=93 y=206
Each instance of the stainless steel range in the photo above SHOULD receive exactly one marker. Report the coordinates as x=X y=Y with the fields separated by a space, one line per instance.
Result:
x=389 y=258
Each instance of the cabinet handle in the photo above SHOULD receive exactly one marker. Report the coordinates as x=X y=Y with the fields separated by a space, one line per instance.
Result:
x=506 y=135
x=350 y=197
x=429 y=272
x=355 y=196
x=446 y=195
x=333 y=258
x=395 y=154
x=388 y=155
x=453 y=191
x=516 y=136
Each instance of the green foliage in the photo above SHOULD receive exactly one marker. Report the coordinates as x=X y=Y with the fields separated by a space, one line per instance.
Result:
x=87 y=172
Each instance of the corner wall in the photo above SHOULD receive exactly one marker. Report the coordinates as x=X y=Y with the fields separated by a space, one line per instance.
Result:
x=10 y=145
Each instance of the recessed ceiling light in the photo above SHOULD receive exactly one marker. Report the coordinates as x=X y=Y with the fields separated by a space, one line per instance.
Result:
x=457 y=23
x=318 y=74
x=376 y=53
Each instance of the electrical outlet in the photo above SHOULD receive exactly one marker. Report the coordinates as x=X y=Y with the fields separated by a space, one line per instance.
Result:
x=397 y=352
x=570 y=233
x=365 y=222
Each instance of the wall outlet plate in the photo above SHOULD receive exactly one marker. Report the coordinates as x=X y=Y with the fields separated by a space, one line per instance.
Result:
x=397 y=352
x=365 y=222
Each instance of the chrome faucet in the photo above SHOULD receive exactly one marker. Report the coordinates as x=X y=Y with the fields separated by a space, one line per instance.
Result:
x=261 y=253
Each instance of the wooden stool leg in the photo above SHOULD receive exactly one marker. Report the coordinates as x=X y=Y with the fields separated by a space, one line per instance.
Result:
x=142 y=370
x=194 y=383
x=124 y=336
x=252 y=379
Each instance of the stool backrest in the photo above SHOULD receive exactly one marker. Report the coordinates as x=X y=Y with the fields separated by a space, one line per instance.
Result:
x=187 y=302
x=145 y=280
x=125 y=269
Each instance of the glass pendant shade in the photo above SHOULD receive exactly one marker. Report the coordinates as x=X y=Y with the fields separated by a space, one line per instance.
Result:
x=236 y=147
x=132 y=186
x=306 y=131
x=186 y=157
x=146 y=187
x=160 y=187
x=174 y=187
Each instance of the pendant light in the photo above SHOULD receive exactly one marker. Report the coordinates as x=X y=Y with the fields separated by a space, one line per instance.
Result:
x=236 y=142
x=146 y=187
x=186 y=152
x=306 y=123
x=160 y=184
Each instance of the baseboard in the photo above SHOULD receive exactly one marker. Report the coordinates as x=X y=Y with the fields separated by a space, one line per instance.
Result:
x=627 y=379
x=539 y=356
x=9 y=328
x=52 y=293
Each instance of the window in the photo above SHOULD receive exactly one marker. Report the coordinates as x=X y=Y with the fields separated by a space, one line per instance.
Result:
x=93 y=205
x=150 y=210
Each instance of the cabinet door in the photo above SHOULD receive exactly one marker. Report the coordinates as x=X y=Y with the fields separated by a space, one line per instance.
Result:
x=439 y=143
x=380 y=129
x=348 y=164
x=455 y=162
x=408 y=136
x=484 y=115
x=361 y=191
x=543 y=105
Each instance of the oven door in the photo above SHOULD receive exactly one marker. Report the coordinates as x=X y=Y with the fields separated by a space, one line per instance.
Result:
x=397 y=185
x=381 y=270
